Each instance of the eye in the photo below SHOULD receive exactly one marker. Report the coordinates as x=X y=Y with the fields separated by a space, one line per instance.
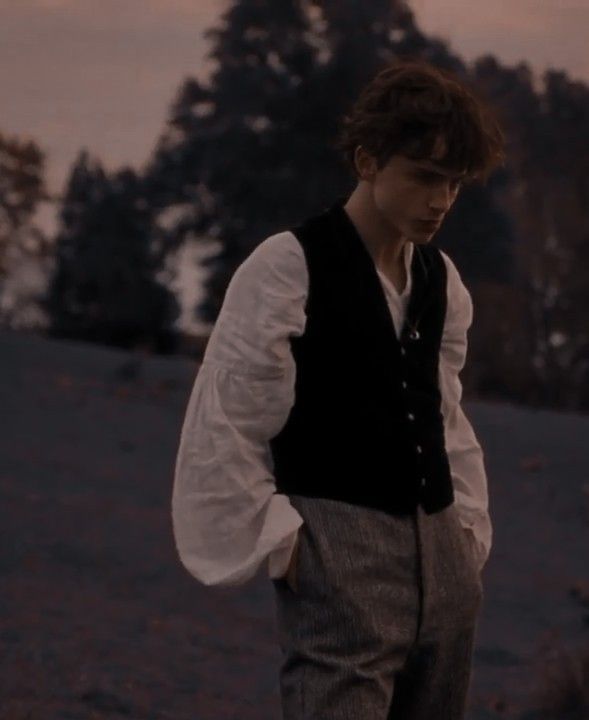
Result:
x=428 y=177
x=423 y=176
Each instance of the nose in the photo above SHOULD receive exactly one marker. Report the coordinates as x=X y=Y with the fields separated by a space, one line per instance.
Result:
x=441 y=200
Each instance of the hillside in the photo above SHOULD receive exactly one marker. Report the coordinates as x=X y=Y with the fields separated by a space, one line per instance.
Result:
x=99 y=619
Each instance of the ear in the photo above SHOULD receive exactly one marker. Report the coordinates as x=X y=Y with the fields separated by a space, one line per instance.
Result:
x=365 y=163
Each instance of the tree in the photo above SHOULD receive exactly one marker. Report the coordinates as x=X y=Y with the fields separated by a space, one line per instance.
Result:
x=21 y=189
x=105 y=286
x=22 y=244
x=547 y=202
x=253 y=152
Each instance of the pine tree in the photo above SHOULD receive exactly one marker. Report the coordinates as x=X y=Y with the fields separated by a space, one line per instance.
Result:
x=104 y=286
x=251 y=153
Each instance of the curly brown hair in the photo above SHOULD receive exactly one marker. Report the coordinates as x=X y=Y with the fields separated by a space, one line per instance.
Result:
x=406 y=106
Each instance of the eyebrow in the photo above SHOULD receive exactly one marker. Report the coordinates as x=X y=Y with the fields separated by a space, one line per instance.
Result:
x=433 y=171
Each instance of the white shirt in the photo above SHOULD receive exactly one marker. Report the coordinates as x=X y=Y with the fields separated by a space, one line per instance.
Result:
x=227 y=515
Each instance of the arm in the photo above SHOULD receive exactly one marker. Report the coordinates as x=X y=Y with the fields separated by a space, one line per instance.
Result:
x=227 y=517
x=464 y=451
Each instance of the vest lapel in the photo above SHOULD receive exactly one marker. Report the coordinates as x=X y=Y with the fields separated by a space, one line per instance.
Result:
x=354 y=257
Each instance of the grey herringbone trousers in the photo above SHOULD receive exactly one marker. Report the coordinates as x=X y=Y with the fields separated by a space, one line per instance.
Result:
x=382 y=623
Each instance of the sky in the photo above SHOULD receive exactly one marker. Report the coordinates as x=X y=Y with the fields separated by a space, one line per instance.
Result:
x=102 y=75
x=77 y=73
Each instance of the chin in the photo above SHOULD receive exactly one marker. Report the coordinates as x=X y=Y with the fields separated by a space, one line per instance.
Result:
x=422 y=239
x=424 y=235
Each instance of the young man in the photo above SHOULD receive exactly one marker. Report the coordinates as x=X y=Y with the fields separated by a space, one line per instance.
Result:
x=324 y=431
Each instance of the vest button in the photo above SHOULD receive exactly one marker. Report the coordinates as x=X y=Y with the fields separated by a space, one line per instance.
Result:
x=411 y=416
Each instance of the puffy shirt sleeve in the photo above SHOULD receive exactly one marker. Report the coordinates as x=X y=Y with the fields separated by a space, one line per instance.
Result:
x=464 y=451
x=227 y=516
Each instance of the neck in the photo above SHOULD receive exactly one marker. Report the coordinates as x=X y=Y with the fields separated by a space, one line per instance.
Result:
x=382 y=242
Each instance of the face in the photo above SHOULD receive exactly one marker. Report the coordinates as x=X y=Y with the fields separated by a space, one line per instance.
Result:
x=407 y=192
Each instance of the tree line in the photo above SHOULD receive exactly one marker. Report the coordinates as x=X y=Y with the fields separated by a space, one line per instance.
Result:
x=250 y=152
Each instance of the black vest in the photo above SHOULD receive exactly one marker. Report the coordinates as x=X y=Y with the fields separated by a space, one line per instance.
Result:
x=366 y=426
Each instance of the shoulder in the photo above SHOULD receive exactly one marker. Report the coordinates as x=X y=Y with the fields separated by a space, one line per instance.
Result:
x=263 y=303
x=455 y=282
x=280 y=252
x=451 y=268
x=276 y=262
x=459 y=299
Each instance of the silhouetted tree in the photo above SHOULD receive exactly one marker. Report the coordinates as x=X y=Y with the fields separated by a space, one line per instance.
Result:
x=252 y=152
x=104 y=287
x=22 y=188
x=546 y=200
